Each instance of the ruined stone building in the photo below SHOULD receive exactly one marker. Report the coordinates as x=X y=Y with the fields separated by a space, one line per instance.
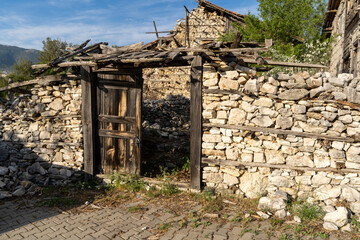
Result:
x=249 y=135
x=342 y=23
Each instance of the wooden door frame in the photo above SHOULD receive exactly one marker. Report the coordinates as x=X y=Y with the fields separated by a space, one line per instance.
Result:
x=89 y=120
x=196 y=75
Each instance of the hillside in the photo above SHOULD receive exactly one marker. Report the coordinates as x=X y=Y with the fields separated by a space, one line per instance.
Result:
x=10 y=54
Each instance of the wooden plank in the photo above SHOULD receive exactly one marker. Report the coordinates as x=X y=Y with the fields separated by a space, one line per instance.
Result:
x=280 y=166
x=282 y=132
x=287 y=64
x=220 y=91
x=196 y=122
x=88 y=92
x=116 y=134
x=66 y=64
x=41 y=81
x=117 y=119
x=137 y=143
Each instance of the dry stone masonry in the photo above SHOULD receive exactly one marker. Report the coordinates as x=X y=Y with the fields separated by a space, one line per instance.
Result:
x=41 y=139
x=293 y=134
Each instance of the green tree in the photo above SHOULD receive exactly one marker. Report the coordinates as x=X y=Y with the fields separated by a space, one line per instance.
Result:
x=292 y=20
x=52 y=48
x=22 y=71
x=294 y=25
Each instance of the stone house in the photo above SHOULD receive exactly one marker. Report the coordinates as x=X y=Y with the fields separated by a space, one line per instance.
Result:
x=249 y=135
x=342 y=22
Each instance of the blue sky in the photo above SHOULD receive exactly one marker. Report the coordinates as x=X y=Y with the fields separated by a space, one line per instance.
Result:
x=26 y=23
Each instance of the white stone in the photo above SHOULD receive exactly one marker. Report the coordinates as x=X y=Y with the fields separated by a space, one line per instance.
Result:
x=350 y=194
x=303 y=180
x=284 y=122
x=259 y=157
x=280 y=181
x=346 y=119
x=319 y=180
x=248 y=107
x=281 y=213
x=263 y=121
x=232 y=154
x=263 y=215
x=355 y=207
x=268 y=88
x=213 y=177
x=338 y=145
x=274 y=204
x=253 y=184
x=299 y=161
x=232 y=74
x=57 y=104
x=268 y=112
x=274 y=157
x=252 y=86
x=330 y=226
x=338 y=217
x=246 y=157
x=211 y=82
x=237 y=116
x=228 y=84
x=327 y=192
x=230 y=180
x=263 y=102
x=210 y=138
x=321 y=161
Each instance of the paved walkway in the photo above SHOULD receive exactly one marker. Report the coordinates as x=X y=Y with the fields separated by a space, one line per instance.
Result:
x=24 y=220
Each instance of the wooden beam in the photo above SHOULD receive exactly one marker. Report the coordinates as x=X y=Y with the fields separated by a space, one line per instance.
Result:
x=196 y=121
x=157 y=34
x=66 y=64
x=287 y=64
x=220 y=91
x=88 y=112
x=283 y=132
x=41 y=81
x=280 y=166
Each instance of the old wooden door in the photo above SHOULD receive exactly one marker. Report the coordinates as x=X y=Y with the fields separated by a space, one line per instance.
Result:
x=119 y=121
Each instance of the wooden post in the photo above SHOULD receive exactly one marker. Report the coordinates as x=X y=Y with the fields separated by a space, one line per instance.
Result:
x=196 y=122
x=88 y=112
x=156 y=31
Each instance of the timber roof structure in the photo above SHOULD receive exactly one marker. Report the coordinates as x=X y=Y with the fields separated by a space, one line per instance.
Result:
x=236 y=17
x=102 y=57
x=333 y=6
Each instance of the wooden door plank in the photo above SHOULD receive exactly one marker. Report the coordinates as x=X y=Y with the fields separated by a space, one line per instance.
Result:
x=196 y=122
x=88 y=111
x=117 y=119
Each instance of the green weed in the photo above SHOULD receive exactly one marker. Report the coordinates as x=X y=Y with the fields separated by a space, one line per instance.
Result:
x=307 y=211
x=134 y=209
x=165 y=226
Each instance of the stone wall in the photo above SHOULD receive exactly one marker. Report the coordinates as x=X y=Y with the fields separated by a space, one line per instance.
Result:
x=345 y=45
x=40 y=139
x=161 y=82
x=252 y=163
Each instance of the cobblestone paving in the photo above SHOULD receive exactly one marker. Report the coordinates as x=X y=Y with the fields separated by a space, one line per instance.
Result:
x=21 y=220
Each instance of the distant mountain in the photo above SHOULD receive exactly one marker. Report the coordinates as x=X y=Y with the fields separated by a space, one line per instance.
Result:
x=11 y=54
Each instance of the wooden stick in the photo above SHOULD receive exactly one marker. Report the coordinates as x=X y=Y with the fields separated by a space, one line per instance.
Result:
x=40 y=81
x=280 y=131
x=66 y=64
x=286 y=64
x=267 y=165
x=219 y=91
